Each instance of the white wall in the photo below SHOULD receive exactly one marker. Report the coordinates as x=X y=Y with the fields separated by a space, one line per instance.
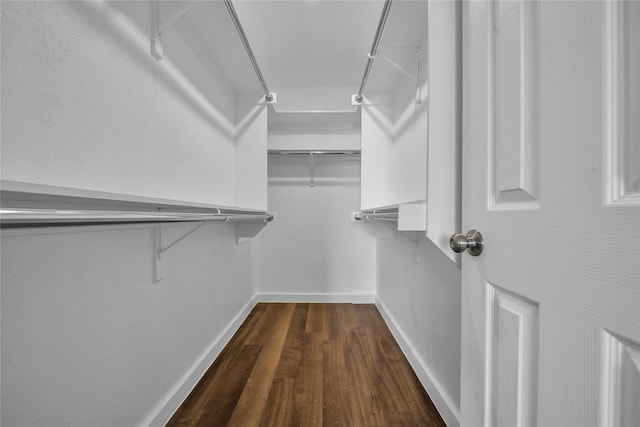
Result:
x=304 y=141
x=421 y=300
x=313 y=249
x=411 y=125
x=84 y=105
x=251 y=152
x=89 y=339
x=314 y=99
x=377 y=142
x=304 y=130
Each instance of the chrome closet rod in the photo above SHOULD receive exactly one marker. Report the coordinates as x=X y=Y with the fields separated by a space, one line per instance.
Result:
x=376 y=216
x=374 y=48
x=321 y=152
x=21 y=217
x=247 y=47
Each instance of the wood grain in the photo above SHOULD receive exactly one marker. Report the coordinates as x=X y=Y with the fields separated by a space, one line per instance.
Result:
x=310 y=365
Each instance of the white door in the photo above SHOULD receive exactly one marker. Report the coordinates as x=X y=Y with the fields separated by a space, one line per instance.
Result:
x=551 y=161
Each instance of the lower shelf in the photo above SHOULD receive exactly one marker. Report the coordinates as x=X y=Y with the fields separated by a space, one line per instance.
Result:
x=408 y=216
x=29 y=205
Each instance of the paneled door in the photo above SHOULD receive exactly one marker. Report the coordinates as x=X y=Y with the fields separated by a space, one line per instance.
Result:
x=551 y=179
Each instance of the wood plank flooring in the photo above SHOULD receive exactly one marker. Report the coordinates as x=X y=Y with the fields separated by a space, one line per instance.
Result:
x=310 y=365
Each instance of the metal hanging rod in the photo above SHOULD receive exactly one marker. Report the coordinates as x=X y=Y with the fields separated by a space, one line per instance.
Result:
x=374 y=49
x=315 y=152
x=236 y=22
x=20 y=217
x=376 y=216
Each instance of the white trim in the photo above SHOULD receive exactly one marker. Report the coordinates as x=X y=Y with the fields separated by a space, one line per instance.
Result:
x=449 y=411
x=179 y=392
x=44 y=193
x=489 y=325
x=304 y=297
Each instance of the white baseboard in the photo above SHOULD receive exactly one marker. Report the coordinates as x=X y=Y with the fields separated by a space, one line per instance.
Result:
x=302 y=297
x=449 y=411
x=174 y=398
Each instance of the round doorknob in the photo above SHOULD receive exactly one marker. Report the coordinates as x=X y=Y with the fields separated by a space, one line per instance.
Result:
x=472 y=242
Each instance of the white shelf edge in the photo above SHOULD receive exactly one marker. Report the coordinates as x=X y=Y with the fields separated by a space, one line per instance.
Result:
x=36 y=190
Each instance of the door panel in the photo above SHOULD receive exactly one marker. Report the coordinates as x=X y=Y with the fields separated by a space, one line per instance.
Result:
x=513 y=352
x=551 y=308
x=620 y=370
x=584 y=262
x=623 y=93
x=572 y=59
x=512 y=104
x=570 y=357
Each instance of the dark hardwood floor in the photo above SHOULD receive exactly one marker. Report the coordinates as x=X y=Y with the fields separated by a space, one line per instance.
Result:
x=310 y=365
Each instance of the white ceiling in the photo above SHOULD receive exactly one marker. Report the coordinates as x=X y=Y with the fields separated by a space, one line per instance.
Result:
x=303 y=43
x=311 y=43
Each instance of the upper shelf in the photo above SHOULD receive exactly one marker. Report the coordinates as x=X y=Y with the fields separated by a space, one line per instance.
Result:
x=34 y=195
x=314 y=167
x=283 y=121
x=401 y=47
x=208 y=29
x=313 y=131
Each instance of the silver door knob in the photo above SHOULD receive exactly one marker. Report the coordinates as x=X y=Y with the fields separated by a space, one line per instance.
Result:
x=472 y=242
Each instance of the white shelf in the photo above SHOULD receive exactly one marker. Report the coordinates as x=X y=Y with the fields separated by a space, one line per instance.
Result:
x=27 y=204
x=37 y=195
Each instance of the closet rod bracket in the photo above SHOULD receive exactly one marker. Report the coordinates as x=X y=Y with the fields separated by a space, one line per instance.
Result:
x=401 y=69
x=158 y=25
x=158 y=260
x=160 y=250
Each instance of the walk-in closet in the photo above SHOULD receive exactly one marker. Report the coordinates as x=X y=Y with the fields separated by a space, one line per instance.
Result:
x=318 y=212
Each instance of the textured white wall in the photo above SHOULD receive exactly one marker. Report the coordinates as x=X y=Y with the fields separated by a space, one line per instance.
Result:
x=84 y=105
x=378 y=182
x=251 y=152
x=408 y=161
x=302 y=141
x=89 y=339
x=312 y=247
x=314 y=99
x=423 y=300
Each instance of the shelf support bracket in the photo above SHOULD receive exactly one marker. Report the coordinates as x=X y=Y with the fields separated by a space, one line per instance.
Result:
x=415 y=78
x=162 y=250
x=312 y=170
x=159 y=265
x=395 y=65
x=158 y=25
